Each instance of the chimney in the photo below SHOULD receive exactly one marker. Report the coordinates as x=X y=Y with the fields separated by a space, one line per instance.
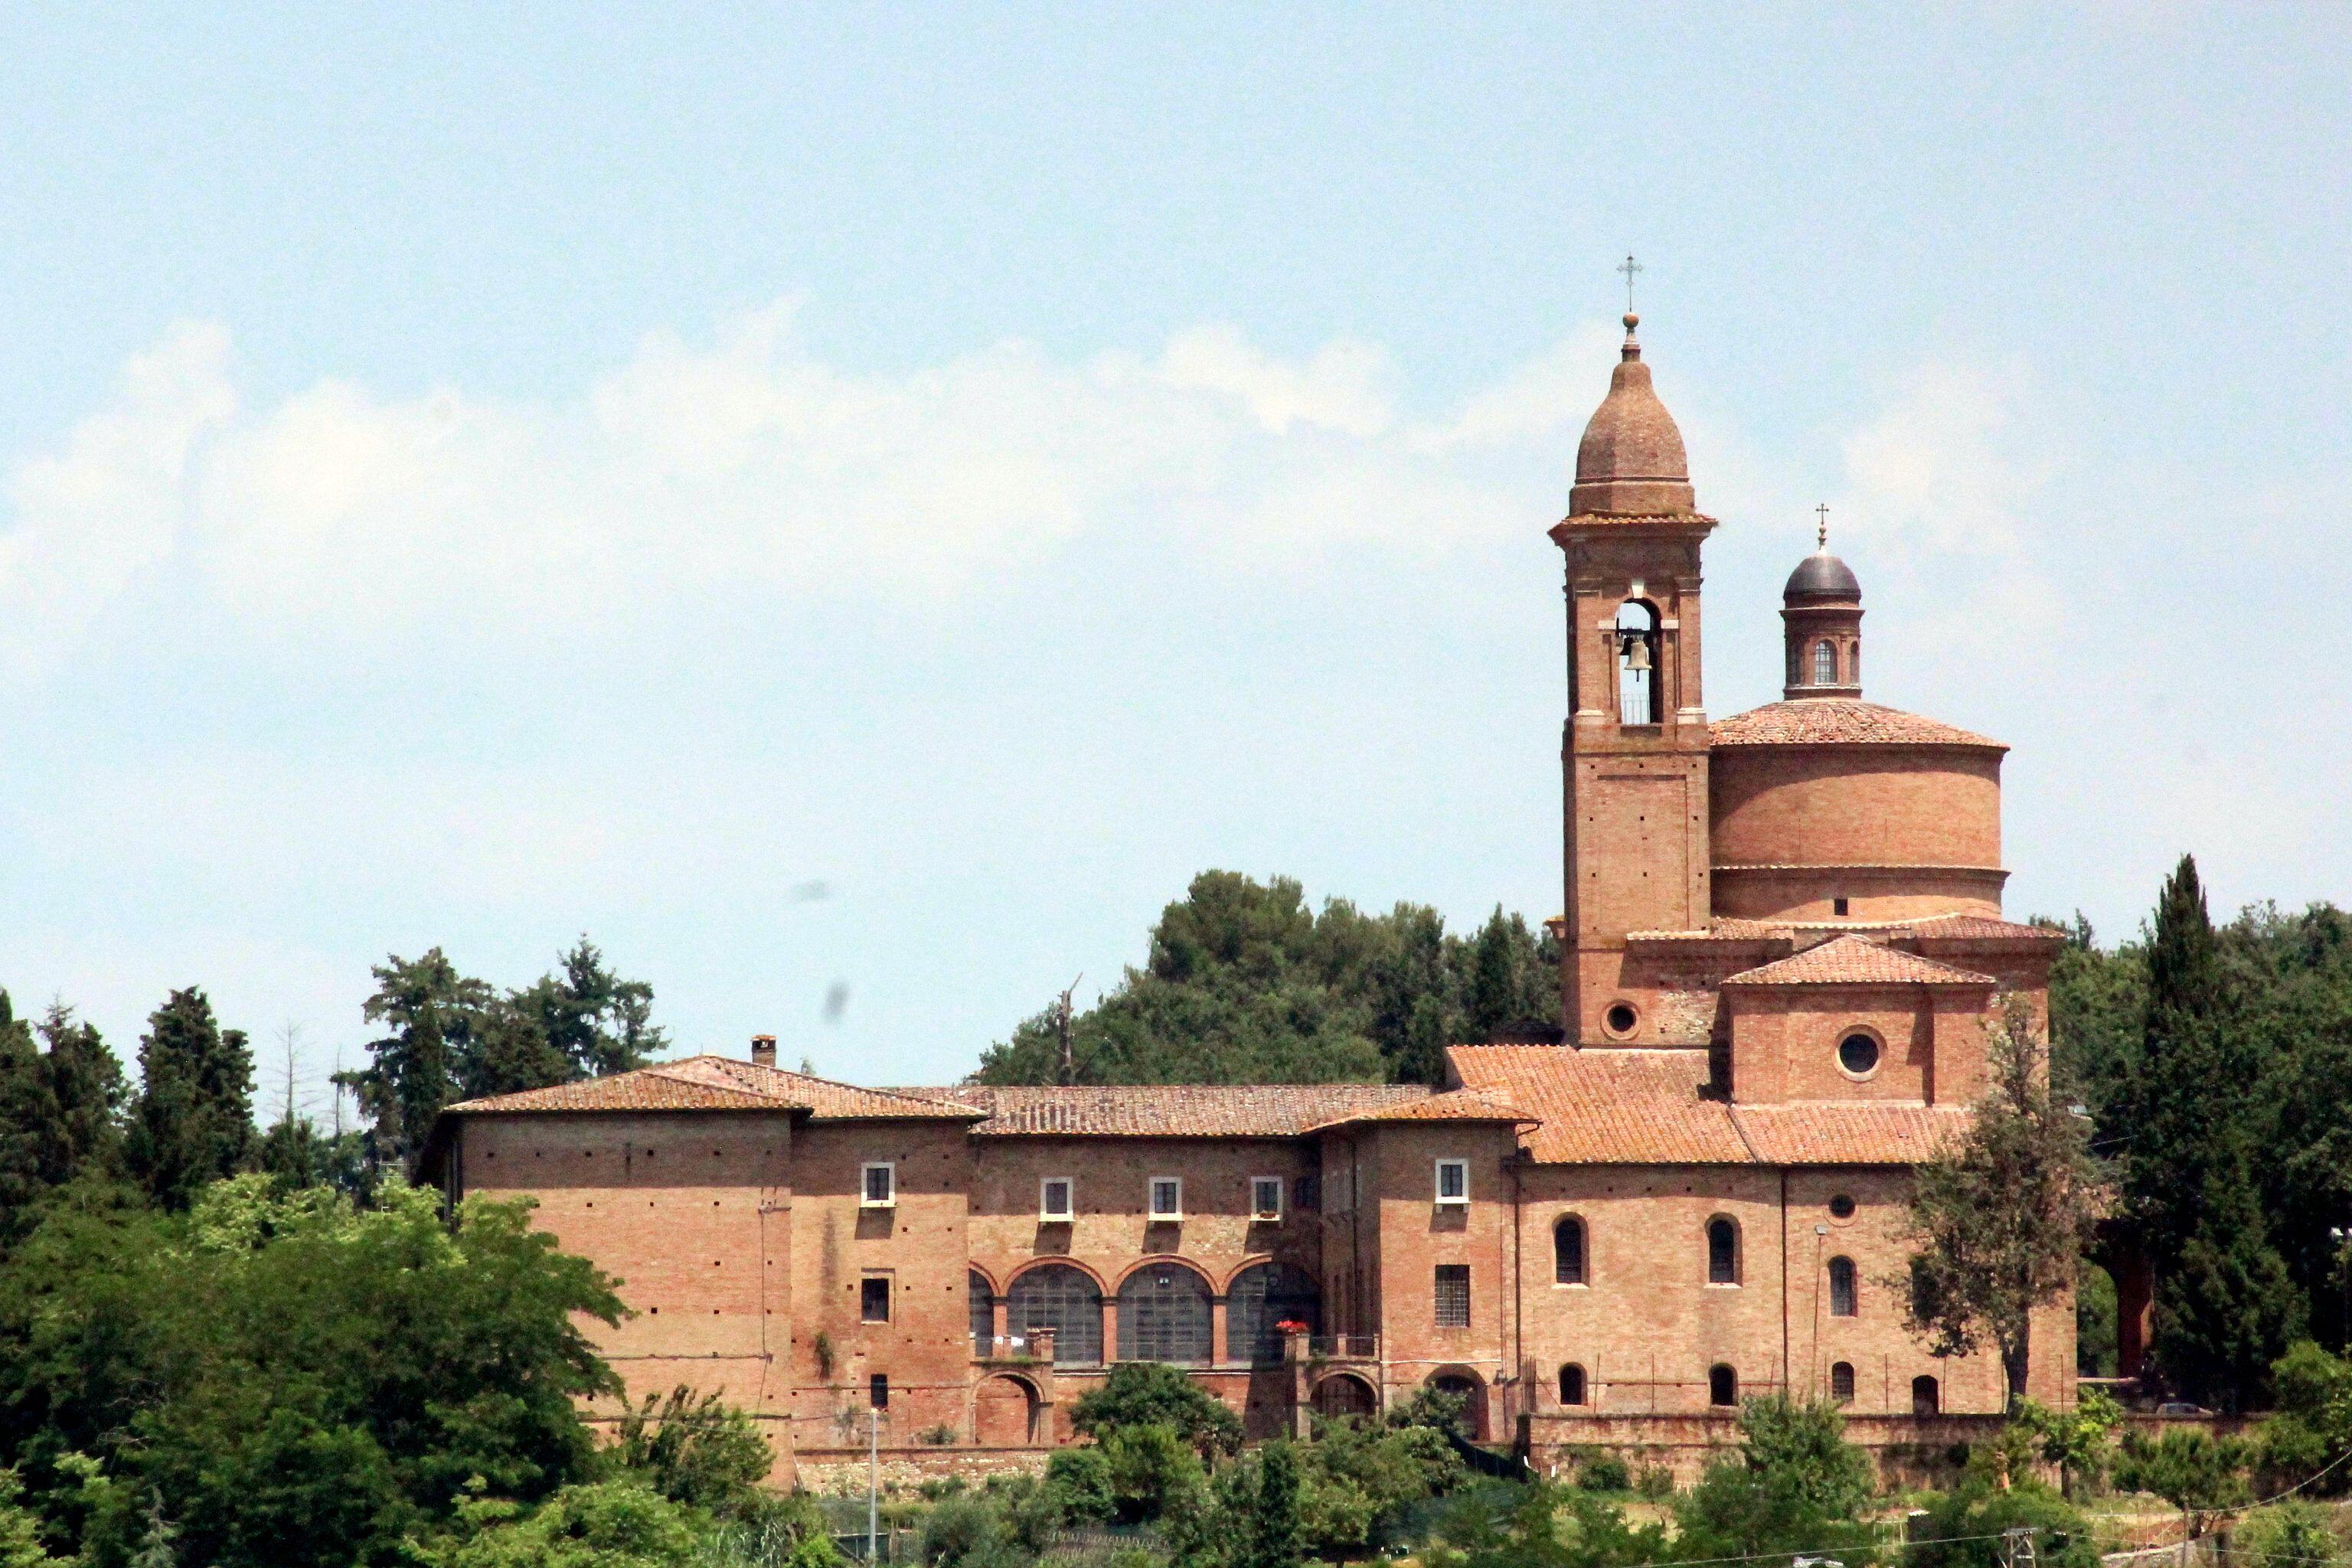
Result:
x=763 y=1051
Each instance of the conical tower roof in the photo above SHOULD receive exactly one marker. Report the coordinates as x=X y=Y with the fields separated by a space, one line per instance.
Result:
x=1631 y=461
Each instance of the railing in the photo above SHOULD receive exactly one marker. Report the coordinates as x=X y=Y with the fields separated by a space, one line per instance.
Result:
x=1004 y=1347
x=1345 y=1347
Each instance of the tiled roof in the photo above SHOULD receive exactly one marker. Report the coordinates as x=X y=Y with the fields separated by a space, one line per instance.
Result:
x=1637 y=519
x=1839 y=722
x=1718 y=931
x=1456 y=1105
x=1170 y=1111
x=1857 y=961
x=1608 y=1107
x=1847 y=1134
x=720 y=1083
x=1975 y=928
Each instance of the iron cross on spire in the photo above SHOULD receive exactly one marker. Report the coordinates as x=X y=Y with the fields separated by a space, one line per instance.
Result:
x=1629 y=267
x=1821 y=533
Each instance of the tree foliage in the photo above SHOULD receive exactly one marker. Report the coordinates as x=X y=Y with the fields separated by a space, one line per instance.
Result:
x=1153 y=1394
x=61 y=1098
x=1244 y=983
x=1998 y=1220
x=192 y=1121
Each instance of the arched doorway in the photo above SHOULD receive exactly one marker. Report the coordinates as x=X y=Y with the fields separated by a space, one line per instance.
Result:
x=1345 y=1394
x=1066 y=1299
x=1163 y=1315
x=1467 y=1387
x=1261 y=1296
x=1003 y=1413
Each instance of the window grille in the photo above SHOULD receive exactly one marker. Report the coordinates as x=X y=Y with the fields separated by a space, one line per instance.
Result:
x=1842 y=1383
x=1163 y=1315
x=1722 y=1252
x=1843 y=1303
x=1260 y=1298
x=1568 y=1251
x=1824 y=663
x=1062 y=1298
x=983 y=1314
x=1453 y=1295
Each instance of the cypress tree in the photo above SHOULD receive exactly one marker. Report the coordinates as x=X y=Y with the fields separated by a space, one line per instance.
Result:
x=28 y=1115
x=193 y=1120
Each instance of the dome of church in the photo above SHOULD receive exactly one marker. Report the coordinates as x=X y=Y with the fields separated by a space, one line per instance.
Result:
x=1823 y=575
x=1630 y=461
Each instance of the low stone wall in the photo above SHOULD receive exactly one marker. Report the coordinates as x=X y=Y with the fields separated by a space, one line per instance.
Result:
x=1909 y=1450
x=842 y=1472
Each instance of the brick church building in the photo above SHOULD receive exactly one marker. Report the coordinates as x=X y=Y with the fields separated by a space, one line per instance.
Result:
x=1781 y=943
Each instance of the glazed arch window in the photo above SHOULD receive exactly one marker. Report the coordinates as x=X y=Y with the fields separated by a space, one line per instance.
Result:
x=1842 y=1381
x=1843 y=1293
x=1638 y=695
x=1571 y=1385
x=1722 y=1252
x=1825 y=663
x=1722 y=1385
x=1568 y=1251
x=1858 y=1053
x=878 y=1185
x=1453 y=1184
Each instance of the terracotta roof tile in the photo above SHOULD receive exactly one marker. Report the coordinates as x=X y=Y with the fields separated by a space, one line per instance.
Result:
x=719 y=1083
x=1975 y=928
x=1456 y=1105
x=1848 y=1134
x=1838 y=721
x=1169 y=1111
x=1608 y=1107
x=1857 y=961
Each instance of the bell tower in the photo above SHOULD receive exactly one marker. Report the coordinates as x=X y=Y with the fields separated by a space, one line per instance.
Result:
x=1635 y=750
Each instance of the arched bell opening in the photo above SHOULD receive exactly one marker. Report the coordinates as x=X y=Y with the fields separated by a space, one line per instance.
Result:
x=1640 y=690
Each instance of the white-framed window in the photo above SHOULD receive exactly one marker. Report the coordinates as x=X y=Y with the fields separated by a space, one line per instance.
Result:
x=1057 y=1197
x=1454 y=1182
x=877 y=1186
x=1265 y=1197
x=1167 y=1197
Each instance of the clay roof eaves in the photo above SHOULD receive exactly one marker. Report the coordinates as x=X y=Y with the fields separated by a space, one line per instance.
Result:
x=1857 y=961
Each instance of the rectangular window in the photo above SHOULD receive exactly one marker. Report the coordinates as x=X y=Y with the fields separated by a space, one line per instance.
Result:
x=1454 y=1181
x=874 y=1300
x=877 y=1391
x=881 y=1185
x=1453 y=1295
x=1054 y=1199
x=1265 y=1197
x=1167 y=1198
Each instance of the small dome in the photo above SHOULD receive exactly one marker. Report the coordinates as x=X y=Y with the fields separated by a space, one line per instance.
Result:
x=1822 y=575
x=1630 y=459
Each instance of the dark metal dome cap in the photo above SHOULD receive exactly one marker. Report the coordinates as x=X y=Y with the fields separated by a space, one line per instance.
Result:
x=1823 y=576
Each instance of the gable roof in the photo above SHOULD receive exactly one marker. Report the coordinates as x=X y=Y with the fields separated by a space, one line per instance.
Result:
x=1857 y=961
x=719 y=1083
x=1169 y=1111
x=1840 y=722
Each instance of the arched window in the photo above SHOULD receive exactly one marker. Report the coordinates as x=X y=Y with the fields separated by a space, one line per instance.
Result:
x=1568 y=1251
x=1825 y=663
x=1853 y=663
x=983 y=1313
x=1722 y=1385
x=1163 y=1315
x=1062 y=1298
x=1571 y=1385
x=1842 y=1381
x=1262 y=1298
x=1722 y=1252
x=1842 y=1288
x=1926 y=1400
x=1637 y=663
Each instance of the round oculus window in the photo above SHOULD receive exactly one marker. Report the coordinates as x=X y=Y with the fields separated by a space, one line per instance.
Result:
x=1842 y=1206
x=1621 y=1019
x=1858 y=1053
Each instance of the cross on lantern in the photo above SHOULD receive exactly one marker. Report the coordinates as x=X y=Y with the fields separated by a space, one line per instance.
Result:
x=1629 y=267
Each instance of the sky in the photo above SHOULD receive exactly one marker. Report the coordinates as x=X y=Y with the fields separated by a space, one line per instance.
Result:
x=853 y=507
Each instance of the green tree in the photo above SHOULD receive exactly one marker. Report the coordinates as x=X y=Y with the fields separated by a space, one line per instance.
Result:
x=1998 y=1220
x=2312 y=1427
x=1153 y=1394
x=2201 y=1475
x=1801 y=1449
x=1544 y=1526
x=1265 y=1509
x=20 y=1530
x=606 y=1524
x=702 y=1452
x=193 y=1120
x=2290 y=1534
x=1968 y=1527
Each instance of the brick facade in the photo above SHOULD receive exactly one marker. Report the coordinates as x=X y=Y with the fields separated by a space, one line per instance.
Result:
x=1781 y=940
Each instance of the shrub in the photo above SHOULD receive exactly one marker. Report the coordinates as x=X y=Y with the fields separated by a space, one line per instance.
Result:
x=1963 y=1528
x=1604 y=1473
x=704 y=1453
x=2290 y=1534
x=1152 y=1394
x=1657 y=1482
